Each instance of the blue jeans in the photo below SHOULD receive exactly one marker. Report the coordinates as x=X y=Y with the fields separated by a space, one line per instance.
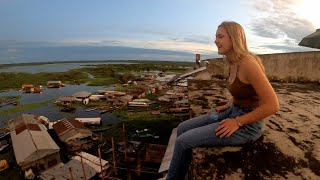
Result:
x=200 y=132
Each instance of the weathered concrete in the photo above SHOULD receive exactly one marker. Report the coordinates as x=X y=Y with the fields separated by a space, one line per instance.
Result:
x=288 y=149
x=285 y=67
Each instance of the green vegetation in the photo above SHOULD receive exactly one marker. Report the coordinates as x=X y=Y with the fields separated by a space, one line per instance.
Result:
x=104 y=74
x=24 y=107
x=16 y=80
x=112 y=70
x=153 y=96
x=102 y=81
x=160 y=125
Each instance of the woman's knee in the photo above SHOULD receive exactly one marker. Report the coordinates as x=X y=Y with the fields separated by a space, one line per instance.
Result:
x=181 y=142
x=180 y=129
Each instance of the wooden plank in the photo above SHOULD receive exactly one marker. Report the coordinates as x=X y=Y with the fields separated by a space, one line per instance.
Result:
x=169 y=152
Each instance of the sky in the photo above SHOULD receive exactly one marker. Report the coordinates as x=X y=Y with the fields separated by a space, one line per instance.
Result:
x=43 y=30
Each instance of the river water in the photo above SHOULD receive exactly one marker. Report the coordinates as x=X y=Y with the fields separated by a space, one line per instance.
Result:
x=51 y=110
x=58 y=67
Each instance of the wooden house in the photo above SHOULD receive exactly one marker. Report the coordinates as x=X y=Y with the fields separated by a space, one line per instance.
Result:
x=27 y=88
x=82 y=96
x=55 y=84
x=122 y=101
x=74 y=134
x=32 y=145
x=30 y=88
x=65 y=100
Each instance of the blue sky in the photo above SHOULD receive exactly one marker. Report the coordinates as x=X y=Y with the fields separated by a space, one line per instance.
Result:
x=182 y=26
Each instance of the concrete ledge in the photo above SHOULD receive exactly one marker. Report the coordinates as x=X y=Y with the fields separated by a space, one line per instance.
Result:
x=165 y=164
x=258 y=160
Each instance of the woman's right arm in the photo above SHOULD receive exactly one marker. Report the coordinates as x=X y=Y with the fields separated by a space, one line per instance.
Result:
x=226 y=106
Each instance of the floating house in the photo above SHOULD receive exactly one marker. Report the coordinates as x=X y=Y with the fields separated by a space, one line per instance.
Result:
x=89 y=121
x=32 y=145
x=82 y=96
x=140 y=102
x=74 y=134
x=65 y=100
x=27 y=88
x=55 y=84
x=122 y=101
x=30 y=88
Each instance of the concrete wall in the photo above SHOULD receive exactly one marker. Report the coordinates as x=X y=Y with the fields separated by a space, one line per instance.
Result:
x=287 y=67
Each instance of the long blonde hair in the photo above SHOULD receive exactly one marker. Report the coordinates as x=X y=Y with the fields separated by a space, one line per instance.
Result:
x=239 y=43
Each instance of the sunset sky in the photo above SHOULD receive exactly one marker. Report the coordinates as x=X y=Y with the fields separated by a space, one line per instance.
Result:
x=186 y=26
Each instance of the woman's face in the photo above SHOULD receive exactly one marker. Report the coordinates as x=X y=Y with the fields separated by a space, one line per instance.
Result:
x=223 y=41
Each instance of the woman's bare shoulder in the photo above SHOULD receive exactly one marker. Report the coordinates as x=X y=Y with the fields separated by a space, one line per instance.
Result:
x=248 y=62
x=249 y=68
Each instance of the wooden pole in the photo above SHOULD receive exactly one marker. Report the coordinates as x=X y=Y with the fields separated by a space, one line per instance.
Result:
x=114 y=158
x=197 y=58
x=84 y=172
x=124 y=142
x=197 y=65
x=71 y=173
x=99 y=152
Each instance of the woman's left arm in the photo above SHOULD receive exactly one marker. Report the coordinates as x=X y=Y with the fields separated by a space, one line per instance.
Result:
x=268 y=101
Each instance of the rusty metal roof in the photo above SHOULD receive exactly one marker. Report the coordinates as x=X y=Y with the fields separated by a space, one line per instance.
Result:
x=66 y=98
x=82 y=94
x=66 y=128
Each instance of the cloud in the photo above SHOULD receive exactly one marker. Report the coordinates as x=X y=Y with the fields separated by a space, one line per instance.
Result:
x=286 y=48
x=280 y=21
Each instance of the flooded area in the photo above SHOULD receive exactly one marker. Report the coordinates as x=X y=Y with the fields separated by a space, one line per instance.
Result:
x=51 y=110
x=54 y=67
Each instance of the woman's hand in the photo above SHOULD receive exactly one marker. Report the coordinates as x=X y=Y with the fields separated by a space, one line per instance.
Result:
x=227 y=128
x=221 y=108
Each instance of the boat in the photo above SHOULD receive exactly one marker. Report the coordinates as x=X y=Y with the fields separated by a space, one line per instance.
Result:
x=93 y=109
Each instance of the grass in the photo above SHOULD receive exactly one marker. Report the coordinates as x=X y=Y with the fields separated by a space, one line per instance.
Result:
x=102 y=81
x=160 y=125
x=24 y=107
x=16 y=80
x=105 y=74
x=124 y=89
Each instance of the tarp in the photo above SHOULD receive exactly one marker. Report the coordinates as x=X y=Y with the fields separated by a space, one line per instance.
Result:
x=82 y=94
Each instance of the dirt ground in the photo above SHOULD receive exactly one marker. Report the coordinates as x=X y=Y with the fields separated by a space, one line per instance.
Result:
x=288 y=149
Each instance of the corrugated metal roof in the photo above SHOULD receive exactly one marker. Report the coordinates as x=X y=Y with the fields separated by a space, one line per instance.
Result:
x=61 y=172
x=27 y=86
x=82 y=94
x=21 y=120
x=65 y=126
x=30 y=144
x=66 y=98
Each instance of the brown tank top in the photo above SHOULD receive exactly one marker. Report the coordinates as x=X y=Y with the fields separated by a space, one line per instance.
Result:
x=243 y=94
